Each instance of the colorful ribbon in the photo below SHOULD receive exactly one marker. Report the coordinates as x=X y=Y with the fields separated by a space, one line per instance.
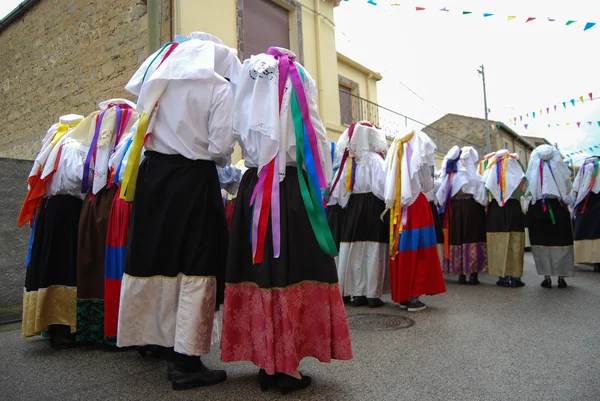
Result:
x=397 y=212
x=139 y=138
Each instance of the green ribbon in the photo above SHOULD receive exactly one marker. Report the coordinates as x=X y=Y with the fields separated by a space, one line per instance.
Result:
x=310 y=197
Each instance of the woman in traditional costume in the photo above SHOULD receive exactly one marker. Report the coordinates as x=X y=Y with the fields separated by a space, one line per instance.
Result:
x=463 y=199
x=101 y=134
x=55 y=199
x=363 y=265
x=548 y=216
x=504 y=179
x=587 y=213
x=414 y=266
x=178 y=236
x=282 y=298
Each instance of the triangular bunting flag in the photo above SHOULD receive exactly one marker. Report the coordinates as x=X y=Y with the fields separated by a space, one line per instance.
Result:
x=493 y=127
x=573 y=102
x=527 y=115
x=521 y=118
x=548 y=125
x=510 y=120
x=548 y=110
x=591 y=95
x=598 y=123
x=395 y=4
x=444 y=9
x=525 y=125
x=581 y=98
x=589 y=25
x=530 y=19
x=541 y=112
x=554 y=107
x=597 y=146
x=467 y=12
x=420 y=8
x=551 y=19
x=511 y=17
x=534 y=114
x=487 y=15
x=578 y=124
x=569 y=22
x=568 y=124
x=589 y=122
x=565 y=104
x=591 y=149
x=499 y=124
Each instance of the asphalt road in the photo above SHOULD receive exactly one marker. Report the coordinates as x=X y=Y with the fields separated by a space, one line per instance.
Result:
x=473 y=343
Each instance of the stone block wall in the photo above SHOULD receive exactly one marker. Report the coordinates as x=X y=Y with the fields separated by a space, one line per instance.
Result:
x=14 y=241
x=457 y=130
x=65 y=56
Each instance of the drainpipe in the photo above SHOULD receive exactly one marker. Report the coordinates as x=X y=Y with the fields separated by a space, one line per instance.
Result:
x=153 y=26
x=319 y=69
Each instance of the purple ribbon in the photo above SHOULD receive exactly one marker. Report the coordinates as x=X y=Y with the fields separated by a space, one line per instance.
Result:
x=91 y=151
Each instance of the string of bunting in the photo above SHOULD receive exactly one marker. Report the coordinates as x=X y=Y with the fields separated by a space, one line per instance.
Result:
x=591 y=149
x=567 y=124
x=549 y=110
x=588 y=25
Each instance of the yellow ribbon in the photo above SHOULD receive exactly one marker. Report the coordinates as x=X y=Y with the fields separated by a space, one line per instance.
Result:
x=396 y=212
x=349 y=176
x=133 y=163
x=62 y=130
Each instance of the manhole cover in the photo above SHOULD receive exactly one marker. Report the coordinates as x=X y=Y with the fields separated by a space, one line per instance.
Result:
x=379 y=322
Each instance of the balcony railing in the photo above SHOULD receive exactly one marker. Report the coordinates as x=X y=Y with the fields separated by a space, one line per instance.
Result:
x=354 y=108
x=392 y=123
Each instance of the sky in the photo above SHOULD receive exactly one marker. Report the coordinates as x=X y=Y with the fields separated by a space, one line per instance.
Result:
x=7 y=6
x=529 y=66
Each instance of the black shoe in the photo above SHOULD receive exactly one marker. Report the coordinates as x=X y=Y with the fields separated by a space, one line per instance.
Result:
x=562 y=283
x=266 y=381
x=61 y=337
x=547 y=283
x=473 y=279
x=170 y=370
x=359 y=301
x=347 y=299
x=462 y=279
x=203 y=377
x=503 y=282
x=287 y=384
x=375 y=302
x=404 y=305
x=416 y=306
x=516 y=282
x=597 y=267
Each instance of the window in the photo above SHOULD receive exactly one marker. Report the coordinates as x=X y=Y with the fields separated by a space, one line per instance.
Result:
x=346 y=105
x=265 y=24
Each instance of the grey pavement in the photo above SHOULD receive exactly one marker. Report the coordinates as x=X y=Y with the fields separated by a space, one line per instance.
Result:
x=473 y=343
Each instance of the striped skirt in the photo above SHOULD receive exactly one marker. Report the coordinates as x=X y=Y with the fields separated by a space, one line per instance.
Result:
x=416 y=269
x=116 y=245
x=506 y=239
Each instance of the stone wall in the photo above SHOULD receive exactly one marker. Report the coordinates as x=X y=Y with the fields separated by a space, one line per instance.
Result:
x=457 y=130
x=454 y=129
x=63 y=57
x=14 y=241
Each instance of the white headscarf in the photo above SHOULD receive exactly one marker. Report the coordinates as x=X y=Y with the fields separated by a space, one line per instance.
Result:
x=581 y=185
x=465 y=177
x=514 y=175
x=417 y=158
x=556 y=176
x=366 y=139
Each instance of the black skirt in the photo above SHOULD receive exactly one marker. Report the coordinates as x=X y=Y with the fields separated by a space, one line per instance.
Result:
x=437 y=221
x=54 y=251
x=335 y=217
x=542 y=232
x=300 y=259
x=509 y=218
x=363 y=220
x=587 y=224
x=178 y=220
x=50 y=296
x=467 y=222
